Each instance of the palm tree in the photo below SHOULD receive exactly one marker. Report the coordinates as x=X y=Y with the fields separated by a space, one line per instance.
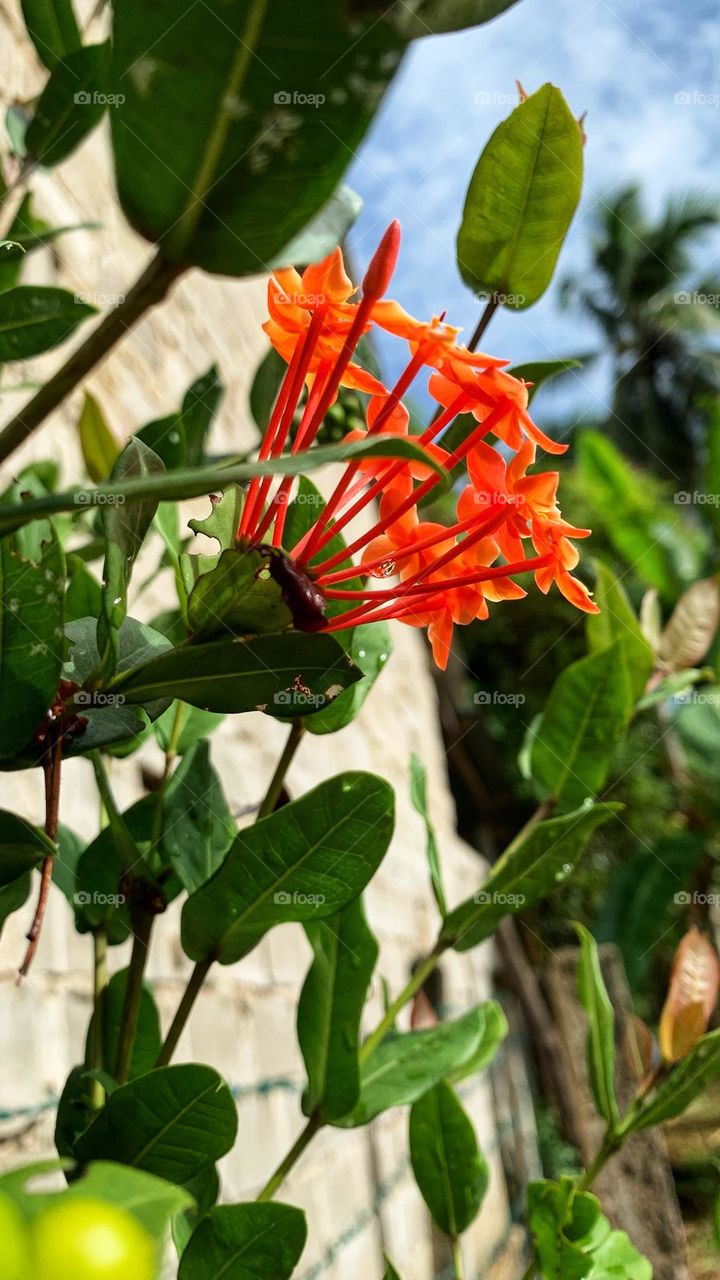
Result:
x=661 y=321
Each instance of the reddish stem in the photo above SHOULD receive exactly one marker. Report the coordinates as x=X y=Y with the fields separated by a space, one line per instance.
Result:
x=51 y=769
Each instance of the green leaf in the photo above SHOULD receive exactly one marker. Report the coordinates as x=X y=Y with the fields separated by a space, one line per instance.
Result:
x=198 y=827
x=618 y=1259
x=494 y=1032
x=435 y=16
x=327 y=229
x=35 y=318
x=390 y=1272
x=31 y=639
x=450 y=1171
x=237 y=597
x=617 y=621
x=265 y=387
x=166 y=438
x=537 y=862
x=72 y=103
x=521 y=200
x=198 y=482
x=403 y=1067
x=207 y=149
x=173 y=1122
x=686 y=1082
x=560 y=1223
x=369 y=646
x=28 y=233
x=13 y=897
x=245 y=1242
x=151 y=1200
x=581 y=726
x=124 y=529
x=83 y=598
x=199 y=407
x=539 y=371
x=601 y=1027
x=286 y=675
x=305 y=862
x=22 y=847
x=635 y=516
x=418 y=794
x=53 y=29
x=196 y=725
x=148 y=1040
x=330 y=1009
x=573 y=1239
x=100 y=449
x=109 y=719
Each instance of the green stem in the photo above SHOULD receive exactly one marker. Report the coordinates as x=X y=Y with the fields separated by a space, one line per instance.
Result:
x=457 y=1258
x=417 y=980
x=315 y=1123
x=303 y=1140
x=142 y=925
x=294 y=739
x=491 y=307
x=170 y=754
x=123 y=841
x=100 y=948
x=610 y=1144
x=150 y=287
x=192 y=991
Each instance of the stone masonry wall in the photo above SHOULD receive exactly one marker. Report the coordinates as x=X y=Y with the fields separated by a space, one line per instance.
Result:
x=244 y=1023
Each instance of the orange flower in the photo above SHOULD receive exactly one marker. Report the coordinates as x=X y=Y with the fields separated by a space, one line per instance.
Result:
x=422 y=573
x=324 y=289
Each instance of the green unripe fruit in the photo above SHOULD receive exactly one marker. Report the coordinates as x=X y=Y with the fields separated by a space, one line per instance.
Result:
x=80 y=1239
x=14 y=1242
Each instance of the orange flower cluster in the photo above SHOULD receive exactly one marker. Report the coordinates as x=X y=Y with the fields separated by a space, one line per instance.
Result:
x=507 y=522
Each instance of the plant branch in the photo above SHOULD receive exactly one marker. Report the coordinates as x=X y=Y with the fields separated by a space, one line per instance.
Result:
x=192 y=991
x=150 y=287
x=52 y=764
x=295 y=736
x=491 y=307
x=100 y=947
x=142 y=926
x=457 y=1258
x=303 y=1140
x=418 y=979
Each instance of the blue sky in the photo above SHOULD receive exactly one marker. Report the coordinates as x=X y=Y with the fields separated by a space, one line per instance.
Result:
x=625 y=63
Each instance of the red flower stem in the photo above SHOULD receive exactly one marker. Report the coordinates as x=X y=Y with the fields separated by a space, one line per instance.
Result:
x=391 y=516
x=305 y=549
x=490 y=524
x=394 y=555
x=278 y=507
x=435 y=595
x=448 y=584
x=312 y=539
x=277 y=432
